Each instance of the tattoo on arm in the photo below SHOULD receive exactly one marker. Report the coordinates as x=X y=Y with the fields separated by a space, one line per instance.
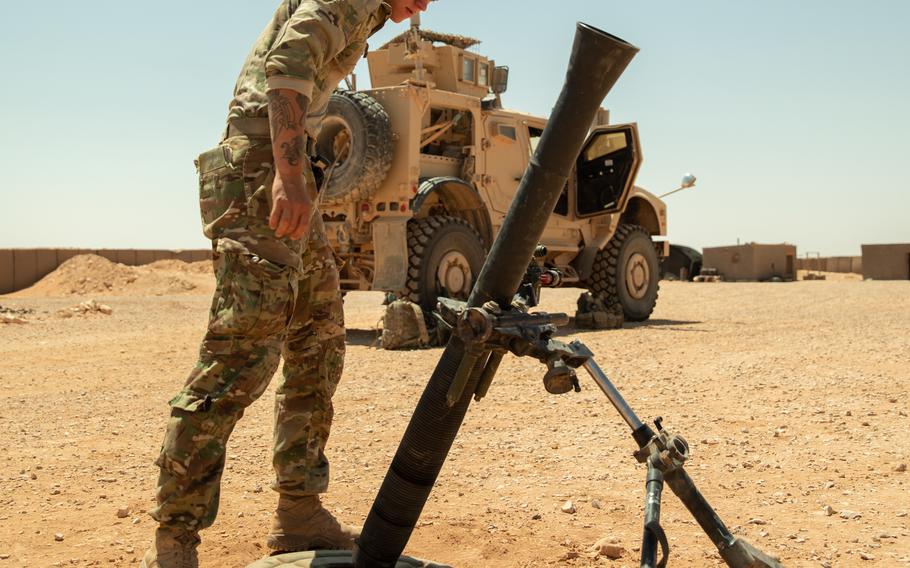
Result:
x=292 y=151
x=281 y=115
x=287 y=117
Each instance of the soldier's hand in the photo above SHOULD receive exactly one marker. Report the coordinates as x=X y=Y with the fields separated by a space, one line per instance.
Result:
x=292 y=208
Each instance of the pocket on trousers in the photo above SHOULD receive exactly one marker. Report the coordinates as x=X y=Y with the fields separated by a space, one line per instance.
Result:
x=191 y=428
x=254 y=297
x=222 y=195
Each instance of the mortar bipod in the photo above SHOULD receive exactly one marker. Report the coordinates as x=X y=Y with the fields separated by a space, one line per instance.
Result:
x=489 y=332
x=665 y=454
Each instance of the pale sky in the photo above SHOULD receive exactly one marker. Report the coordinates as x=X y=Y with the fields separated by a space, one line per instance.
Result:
x=793 y=114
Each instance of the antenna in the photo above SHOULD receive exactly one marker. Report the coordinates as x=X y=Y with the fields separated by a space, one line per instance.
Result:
x=413 y=46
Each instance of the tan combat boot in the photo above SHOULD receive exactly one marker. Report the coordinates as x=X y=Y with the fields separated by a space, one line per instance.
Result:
x=172 y=548
x=302 y=523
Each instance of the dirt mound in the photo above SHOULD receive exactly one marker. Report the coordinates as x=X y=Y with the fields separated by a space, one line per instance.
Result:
x=81 y=275
x=92 y=274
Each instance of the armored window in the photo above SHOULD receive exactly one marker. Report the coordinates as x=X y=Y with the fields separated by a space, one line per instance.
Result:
x=606 y=144
x=483 y=77
x=507 y=131
x=468 y=73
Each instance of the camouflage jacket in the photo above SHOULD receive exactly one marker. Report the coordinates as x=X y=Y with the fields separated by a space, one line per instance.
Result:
x=308 y=46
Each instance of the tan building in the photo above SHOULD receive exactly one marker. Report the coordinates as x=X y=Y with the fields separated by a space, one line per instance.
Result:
x=886 y=262
x=752 y=261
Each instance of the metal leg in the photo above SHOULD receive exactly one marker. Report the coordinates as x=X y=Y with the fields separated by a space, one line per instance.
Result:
x=665 y=454
x=653 y=532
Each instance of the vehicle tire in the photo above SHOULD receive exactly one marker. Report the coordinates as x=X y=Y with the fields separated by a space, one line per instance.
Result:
x=445 y=255
x=626 y=272
x=357 y=132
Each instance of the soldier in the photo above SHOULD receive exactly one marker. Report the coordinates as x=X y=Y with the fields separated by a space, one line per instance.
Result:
x=277 y=286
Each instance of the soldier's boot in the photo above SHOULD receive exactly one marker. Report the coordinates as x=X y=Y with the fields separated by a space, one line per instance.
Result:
x=172 y=548
x=302 y=523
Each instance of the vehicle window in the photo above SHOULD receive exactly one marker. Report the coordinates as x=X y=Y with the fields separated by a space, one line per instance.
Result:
x=507 y=131
x=468 y=70
x=603 y=171
x=562 y=204
x=605 y=144
x=483 y=77
x=534 y=135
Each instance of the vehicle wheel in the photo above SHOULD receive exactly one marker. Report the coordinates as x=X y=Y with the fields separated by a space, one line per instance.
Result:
x=626 y=272
x=357 y=133
x=445 y=255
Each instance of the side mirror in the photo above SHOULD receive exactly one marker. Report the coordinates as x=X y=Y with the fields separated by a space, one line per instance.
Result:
x=688 y=181
x=500 y=79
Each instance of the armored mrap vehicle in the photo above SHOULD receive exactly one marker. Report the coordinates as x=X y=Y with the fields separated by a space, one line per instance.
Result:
x=425 y=164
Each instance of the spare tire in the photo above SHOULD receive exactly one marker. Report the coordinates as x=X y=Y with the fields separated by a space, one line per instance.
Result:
x=356 y=135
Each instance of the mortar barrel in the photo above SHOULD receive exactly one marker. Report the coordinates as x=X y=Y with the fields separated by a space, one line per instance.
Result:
x=597 y=61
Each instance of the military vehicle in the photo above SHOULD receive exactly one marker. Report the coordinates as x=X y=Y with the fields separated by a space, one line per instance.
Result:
x=423 y=167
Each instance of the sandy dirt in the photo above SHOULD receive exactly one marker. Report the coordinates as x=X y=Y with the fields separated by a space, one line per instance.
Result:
x=793 y=396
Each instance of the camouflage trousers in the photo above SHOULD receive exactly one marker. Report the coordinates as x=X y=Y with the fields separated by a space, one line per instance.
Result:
x=262 y=311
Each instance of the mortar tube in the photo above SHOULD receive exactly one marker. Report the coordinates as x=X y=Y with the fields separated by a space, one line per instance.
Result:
x=598 y=59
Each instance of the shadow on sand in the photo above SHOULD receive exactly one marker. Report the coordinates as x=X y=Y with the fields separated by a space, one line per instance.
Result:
x=370 y=337
x=364 y=337
x=670 y=325
x=665 y=323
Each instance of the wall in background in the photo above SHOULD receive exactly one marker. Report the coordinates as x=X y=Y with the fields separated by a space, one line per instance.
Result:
x=20 y=268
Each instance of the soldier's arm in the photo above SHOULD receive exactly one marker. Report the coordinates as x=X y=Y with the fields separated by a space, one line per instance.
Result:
x=292 y=205
x=314 y=34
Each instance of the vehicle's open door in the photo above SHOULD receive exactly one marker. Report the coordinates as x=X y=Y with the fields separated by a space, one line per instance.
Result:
x=606 y=169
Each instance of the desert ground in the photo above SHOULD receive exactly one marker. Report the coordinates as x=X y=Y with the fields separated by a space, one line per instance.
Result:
x=793 y=397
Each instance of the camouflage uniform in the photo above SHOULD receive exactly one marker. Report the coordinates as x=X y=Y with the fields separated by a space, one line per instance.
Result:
x=274 y=296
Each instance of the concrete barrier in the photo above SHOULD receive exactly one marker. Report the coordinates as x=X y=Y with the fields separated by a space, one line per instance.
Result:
x=20 y=268
x=844 y=264
x=7 y=271
x=25 y=268
x=45 y=261
x=194 y=255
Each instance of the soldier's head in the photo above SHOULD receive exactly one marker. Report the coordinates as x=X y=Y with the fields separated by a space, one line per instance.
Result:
x=404 y=9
